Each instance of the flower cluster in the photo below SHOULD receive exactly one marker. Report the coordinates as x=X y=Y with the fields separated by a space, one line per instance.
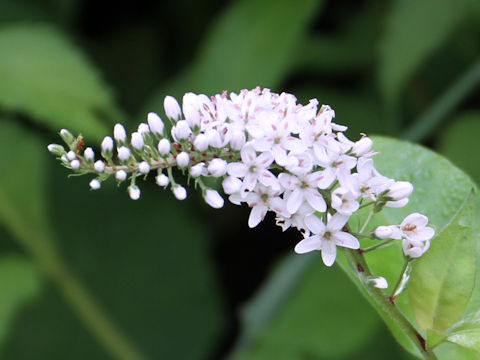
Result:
x=272 y=154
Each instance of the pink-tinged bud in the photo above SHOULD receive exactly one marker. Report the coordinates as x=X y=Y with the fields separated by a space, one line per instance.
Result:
x=162 y=180
x=180 y=192
x=144 y=167
x=237 y=140
x=213 y=198
x=95 y=184
x=107 y=144
x=99 y=166
x=119 y=133
x=231 y=185
x=183 y=159
x=155 y=123
x=137 y=141
x=121 y=175
x=181 y=130
x=197 y=170
x=134 y=192
x=362 y=146
x=164 y=146
x=172 y=109
x=89 y=154
x=400 y=190
x=201 y=142
x=123 y=153
x=217 y=167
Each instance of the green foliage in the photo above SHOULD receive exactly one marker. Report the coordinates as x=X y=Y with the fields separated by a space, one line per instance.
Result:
x=58 y=91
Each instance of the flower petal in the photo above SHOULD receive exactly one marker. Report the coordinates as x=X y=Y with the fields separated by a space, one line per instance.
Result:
x=308 y=244
x=294 y=201
x=315 y=224
x=237 y=169
x=315 y=199
x=329 y=252
x=337 y=222
x=345 y=239
x=256 y=215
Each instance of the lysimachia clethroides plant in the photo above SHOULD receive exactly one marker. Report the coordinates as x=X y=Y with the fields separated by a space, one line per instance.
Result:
x=273 y=155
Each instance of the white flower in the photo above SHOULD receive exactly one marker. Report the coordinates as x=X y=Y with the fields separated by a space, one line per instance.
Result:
x=253 y=169
x=89 y=154
x=344 y=201
x=134 y=192
x=180 y=192
x=71 y=155
x=164 y=146
x=261 y=200
x=385 y=232
x=137 y=141
x=362 y=146
x=237 y=140
x=119 y=133
x=213 y=198
x=414 y=228
x=123 y=153
x=231 y=185
x=162 y=180
x=99 y=166
x=217 y=167
x=415 y=249
x=181 y=130
x=201 y=142
x=400 y=190
x=75 y=164
x=144 y=167
x=121 y=175
x=155 y=123
x=327 y=237
x=191 y=109
x=198 y=170
x=183 y=159
x=107 y=144
x=95 y=184
x=172 y=109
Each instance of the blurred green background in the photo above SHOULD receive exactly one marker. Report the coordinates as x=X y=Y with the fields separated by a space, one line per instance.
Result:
x=94 y=275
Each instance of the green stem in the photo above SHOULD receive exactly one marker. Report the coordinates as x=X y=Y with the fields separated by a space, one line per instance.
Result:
x=367 y=221
x=444 y=105
x=393 y=294
x=358 y=263
x=379 y=245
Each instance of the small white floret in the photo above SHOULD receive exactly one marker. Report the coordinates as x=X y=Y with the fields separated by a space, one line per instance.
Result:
x=384 y=232
x=137 y=140
x=197 y=170
x=182 y=130
x=119 y=133
x=107 y=144
x=56 y=149
x=162 y=180
x=201 y=142
x=95 y=184
x=75 y=164
x=231 y=185
x=123 y=153
x=144 y=167
x=400 y=190
x=183 y=159
x=172 y=109
x=121 y=175
x=71 y=155
x=155 y=123
x=134 y=192
x=217 y=167
x=99 y=166
x=180 y=192
x=164 y=146
x=89 y=154
x=143 y=128
x=213 y=198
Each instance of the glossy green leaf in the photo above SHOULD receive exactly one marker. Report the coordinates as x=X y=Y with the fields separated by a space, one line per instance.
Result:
x=431 y=174
x=460 y=140
x=47 y=78
x=466 y=333
x=409 y=40
x=442 y=281
x=252 y=43
x=20 y=283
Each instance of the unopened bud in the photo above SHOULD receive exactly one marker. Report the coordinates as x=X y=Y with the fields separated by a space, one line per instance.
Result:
x=378 y=281
x=213 y=198
x=137 y=141
x=89 y=154
x=400 y=190
x=217 y=167
x=183 y=159
x=162 y=180
x=121 y=175
x=67 y=137
x=383 y=232
x=172 y=109
x=143 y=128
x=107 y=145
x=75 y=164
x=362 y=146
x=201 y=142
x=56 y=149
x=144 y=167
x=71 y=155
x=99 y=166
x=95 y=184
x=197 y=170
x=164 y=146
x=123 y=153
x=237 y=140
x=180 y=192
x=181 y=130
x=155 y=123
x=119 y=133
x=134 y=192
x=231 y=185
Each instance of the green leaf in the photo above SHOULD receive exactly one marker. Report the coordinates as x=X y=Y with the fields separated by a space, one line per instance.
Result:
x=251 y=43
x=409 y=39
x=466 y=333
x=431 y=174
x=442 y=280
x=46 y=77
x=460 y=140
x=20 y=283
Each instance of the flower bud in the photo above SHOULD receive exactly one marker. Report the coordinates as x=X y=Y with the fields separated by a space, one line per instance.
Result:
x=183 y=159
x=237 y=140
x=95 y=184
x=197 y=170
x=383 y=232
x=107 y=145
x=119 y=133
x=143 y=129
x=201 y=142
x=172 y=109
x=121 y=175
x=213 y=198
x=89 y=154
x=99 y=166
x=75 y=164
x=123 y=153
x=415 y=249
x=378 y=281
x=144 y=167
x=362 y=146
x=180 y=192
x=134 y=192
x=181 y=130
x=67 y=137
x=56 y=149
x=164 y=146
x=217 y=167
x=231 y=185
x=155 y=123
x=190 y=109
x=214 y=139
x=400 y=190
x=137 y=141
x=71 y=155
x=162 y=180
